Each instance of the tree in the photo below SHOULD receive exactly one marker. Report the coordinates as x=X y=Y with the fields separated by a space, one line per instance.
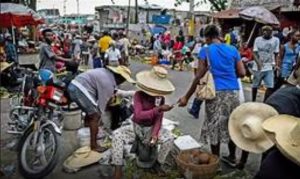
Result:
x=216 y=5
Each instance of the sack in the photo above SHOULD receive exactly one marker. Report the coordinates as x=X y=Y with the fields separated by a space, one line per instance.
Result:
x=206 y=88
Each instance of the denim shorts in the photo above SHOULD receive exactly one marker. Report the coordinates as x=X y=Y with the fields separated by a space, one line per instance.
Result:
x=81 y=100
x=266 y=76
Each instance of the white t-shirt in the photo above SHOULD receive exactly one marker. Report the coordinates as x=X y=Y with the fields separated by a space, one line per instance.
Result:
x=113 y=55
x=126 y=44
x=266 y=49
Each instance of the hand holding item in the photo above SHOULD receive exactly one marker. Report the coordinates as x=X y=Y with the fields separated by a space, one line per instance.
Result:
x=153 y=141
x=165 y=108
x=182 y=102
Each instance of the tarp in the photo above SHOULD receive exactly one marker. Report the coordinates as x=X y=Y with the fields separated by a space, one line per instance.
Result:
x=18 y=15
x=156 y=29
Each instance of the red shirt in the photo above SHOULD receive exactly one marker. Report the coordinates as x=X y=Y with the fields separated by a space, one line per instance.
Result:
x=177 y=47
x=247 y=52
x=146 y=113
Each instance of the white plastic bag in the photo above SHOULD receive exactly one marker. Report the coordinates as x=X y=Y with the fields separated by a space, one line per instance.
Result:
x=241 y=92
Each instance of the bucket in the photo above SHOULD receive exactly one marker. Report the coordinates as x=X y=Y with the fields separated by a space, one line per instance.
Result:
x=72 y=120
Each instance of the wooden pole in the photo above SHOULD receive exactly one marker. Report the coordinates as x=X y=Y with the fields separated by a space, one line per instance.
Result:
x=252 y=33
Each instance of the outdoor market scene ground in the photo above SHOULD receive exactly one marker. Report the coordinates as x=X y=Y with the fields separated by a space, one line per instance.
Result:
x=187 y=124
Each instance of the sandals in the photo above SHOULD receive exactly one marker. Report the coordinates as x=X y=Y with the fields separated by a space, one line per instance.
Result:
x=100 y=149
x=229 y=161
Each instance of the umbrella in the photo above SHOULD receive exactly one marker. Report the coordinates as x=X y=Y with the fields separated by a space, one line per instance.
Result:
x=18 y=15
x=259 y=14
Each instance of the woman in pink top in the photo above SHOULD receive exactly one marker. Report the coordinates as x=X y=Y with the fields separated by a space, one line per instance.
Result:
x=149 y=108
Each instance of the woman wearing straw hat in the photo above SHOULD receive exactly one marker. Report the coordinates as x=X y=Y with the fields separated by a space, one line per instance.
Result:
x=285 y=101
x=226 y=66
x=284 y=160
x=92 y=91
x=149 y=108
x=256 y=127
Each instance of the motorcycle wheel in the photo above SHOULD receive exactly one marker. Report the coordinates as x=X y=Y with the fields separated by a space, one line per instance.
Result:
x=41 y=160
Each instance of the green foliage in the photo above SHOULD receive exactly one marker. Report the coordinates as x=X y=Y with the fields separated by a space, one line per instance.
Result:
x=216 y=5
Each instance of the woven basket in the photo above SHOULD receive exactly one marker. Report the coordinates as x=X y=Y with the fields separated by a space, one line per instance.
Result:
x=191 y=170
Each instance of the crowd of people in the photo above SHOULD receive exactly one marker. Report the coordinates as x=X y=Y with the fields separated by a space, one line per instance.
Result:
x=273 y=61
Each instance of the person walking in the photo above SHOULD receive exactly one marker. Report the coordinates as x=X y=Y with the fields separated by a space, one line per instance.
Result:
x=125 y=50
x=226 y=66
x=287 y=59
x=113 y=55
x=103 y=45
x=266 y=49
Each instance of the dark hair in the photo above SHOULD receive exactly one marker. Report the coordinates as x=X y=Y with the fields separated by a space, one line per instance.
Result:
x=105 y=33
x=45 y=31
x=211 y=31
x=291 y=34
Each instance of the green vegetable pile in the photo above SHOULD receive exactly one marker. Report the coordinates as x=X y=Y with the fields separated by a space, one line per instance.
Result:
x=3 y=92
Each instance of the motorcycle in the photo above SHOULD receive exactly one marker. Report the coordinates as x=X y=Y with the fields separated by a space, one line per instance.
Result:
x=39 y=145
x=22 y=104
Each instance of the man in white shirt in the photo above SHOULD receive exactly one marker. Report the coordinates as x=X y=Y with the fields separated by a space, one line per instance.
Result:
x=266 y=49
x=113 y=55
x=125 y=50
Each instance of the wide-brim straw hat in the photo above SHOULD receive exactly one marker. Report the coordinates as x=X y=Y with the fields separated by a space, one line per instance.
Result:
x=245 y=126
x=5 y=65
x=287 y=135
x=82 y=157
x=123 y=71
x=155 y=82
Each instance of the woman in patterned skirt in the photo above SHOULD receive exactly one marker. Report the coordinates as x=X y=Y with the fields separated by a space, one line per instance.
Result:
x=226 y=66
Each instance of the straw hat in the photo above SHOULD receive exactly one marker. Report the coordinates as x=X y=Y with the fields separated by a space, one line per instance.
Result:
x=245 y=126
x=80 y=158
x=154 y=82
x=287 y=135
x=123 y=71
x=5 y=65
